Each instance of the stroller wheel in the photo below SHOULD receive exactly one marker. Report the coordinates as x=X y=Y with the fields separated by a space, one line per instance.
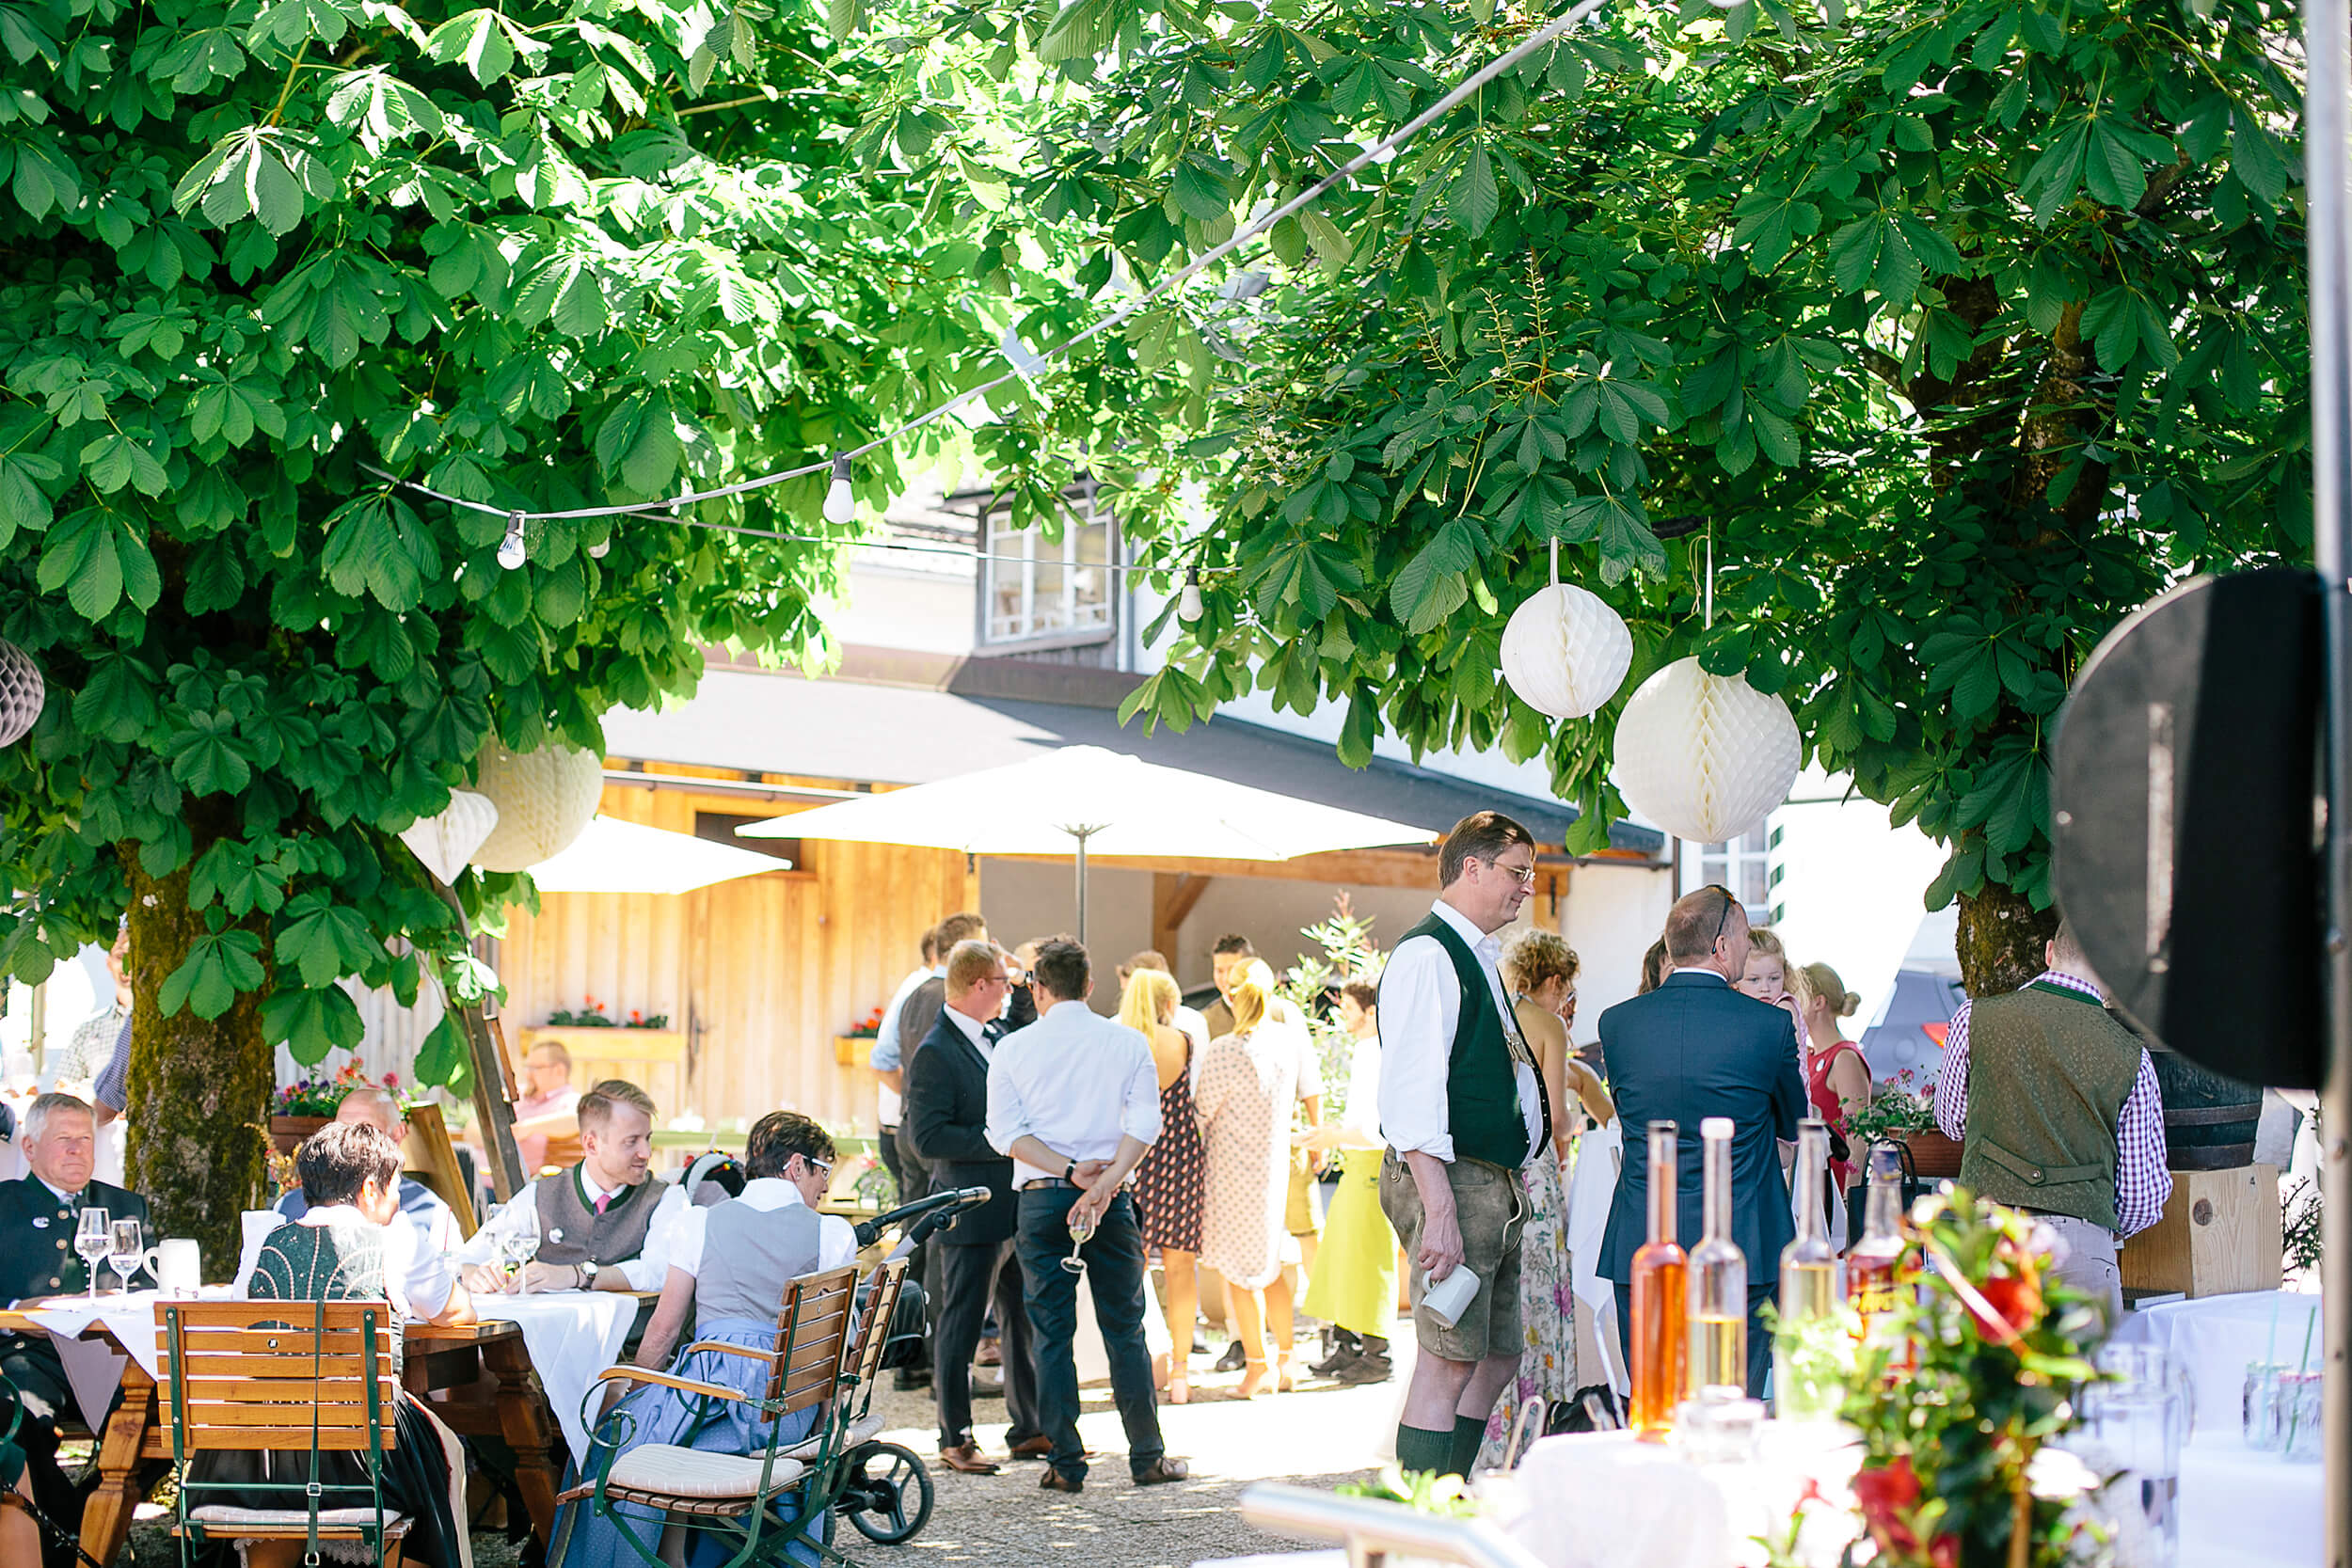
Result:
x=889 y=1494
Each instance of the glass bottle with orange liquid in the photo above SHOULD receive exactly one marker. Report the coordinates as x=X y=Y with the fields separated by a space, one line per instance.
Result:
x=1874 y=1267
x=1657 y=1333
x=1718 y=1291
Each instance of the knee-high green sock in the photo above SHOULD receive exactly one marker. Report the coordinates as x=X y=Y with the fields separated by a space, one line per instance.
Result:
x=1469 y=1431
x=1417 y=1448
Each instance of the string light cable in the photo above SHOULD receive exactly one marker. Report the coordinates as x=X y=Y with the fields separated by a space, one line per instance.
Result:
x=839 y=504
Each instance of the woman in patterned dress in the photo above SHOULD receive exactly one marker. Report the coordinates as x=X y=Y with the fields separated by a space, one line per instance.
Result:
x=1249 y=1084
x=1168 y=1182
x=1540 y=969
x=355 y=1245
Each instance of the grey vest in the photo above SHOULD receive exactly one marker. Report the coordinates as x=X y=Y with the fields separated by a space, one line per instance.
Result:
x=572 y=1232
x=751 y=1257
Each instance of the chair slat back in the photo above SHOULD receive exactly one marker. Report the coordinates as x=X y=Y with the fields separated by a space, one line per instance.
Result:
x=812 y=1332
x=268 y=1374
x=873 y=1332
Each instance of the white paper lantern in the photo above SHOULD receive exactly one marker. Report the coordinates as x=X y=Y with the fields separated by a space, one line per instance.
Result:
x=1565 y=652
x=447 y=842
x=544 y=798
x=1705 y=756
x=22 y=693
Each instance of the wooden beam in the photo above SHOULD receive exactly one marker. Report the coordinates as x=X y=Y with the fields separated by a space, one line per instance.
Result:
x=1173 y=894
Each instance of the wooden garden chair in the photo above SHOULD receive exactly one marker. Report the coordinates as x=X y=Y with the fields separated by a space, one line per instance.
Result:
x=287 y=1376
x=733 y=1495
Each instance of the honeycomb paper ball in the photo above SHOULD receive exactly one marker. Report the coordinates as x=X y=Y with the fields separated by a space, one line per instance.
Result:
x=544 y=798
x=1565 y=652
x=1705 y=756
x=22 y=693
x=446 y=842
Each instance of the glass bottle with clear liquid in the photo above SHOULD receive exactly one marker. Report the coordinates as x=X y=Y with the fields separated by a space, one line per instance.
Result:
x=1717 y=1294
x=1812 y=1286
x=1874 y=1267
x=1659 y=1341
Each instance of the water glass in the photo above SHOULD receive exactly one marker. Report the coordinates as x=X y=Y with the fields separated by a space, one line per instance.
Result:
x=92 y=1237
x=2138 y=1413
x=2258 y=1412
x=127 y=1252
x=2298 y=1416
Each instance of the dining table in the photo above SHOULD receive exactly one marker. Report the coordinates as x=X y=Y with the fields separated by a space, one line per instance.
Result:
x=479 y=1379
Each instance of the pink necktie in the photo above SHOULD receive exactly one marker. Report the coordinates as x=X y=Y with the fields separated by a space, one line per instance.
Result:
x=603 y=1198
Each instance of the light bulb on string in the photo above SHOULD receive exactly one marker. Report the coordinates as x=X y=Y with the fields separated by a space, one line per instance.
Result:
x=601 y=548
x=511 y=551
x=840 y=501
x=1188 y=608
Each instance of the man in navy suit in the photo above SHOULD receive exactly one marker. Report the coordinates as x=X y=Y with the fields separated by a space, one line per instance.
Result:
x=946 y=1121
x=1692 y=1049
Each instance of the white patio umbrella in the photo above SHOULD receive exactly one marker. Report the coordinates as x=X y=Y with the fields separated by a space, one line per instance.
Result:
x=1084 y=798
x=613 y=856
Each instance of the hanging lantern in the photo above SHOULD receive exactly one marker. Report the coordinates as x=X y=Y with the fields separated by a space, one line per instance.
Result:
x=1565 y=652
x=22 y=693
x=446 y=842
x=1705 y=756
x=544 y=800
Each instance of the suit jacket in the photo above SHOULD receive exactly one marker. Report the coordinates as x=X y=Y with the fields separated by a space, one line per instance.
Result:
x=1696 y=1048
x=947 y=1117
x=36 y=1259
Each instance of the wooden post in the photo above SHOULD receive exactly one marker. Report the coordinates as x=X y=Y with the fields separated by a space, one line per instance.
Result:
x=1173 y=894
x=493 y=1086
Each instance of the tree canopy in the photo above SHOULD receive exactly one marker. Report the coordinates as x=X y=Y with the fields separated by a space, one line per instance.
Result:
x=1957 y=330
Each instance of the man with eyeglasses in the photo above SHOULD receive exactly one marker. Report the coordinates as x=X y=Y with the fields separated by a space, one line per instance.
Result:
x=1462 y=1108
x=946 y=1120
x=1696 y=1047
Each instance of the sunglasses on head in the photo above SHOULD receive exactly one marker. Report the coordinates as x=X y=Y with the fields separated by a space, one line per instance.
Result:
x=1724 y=919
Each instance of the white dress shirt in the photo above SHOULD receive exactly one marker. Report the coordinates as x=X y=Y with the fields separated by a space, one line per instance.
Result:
x=1076 y=1082
x=1362 y=1112
x=884 y=1058
x=836 y=1244
x=519 y=1216
x=974 y=1030
x=1421 y=1006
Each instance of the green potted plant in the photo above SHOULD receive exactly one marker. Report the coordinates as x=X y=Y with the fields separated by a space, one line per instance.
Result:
x=1904 y=1112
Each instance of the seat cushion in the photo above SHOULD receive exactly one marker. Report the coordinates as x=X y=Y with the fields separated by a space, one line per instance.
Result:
x=220 y=1518
x=675 y=1472
x=861 y=1430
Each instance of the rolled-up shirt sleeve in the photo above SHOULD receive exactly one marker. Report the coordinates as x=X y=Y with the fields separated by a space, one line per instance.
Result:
x=2143 y=1180
x=1951 y=1079
x=1139 y=1106
x=649 y=1268
x=1421 y=1000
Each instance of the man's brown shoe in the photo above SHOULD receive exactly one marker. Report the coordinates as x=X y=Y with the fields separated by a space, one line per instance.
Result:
x=1054 y=1481
x=965 y=1458
x=1032 y=1448
x=1163 y=1471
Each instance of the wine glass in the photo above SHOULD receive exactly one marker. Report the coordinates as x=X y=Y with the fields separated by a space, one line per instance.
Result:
x=127 y=1250
x=1079 y=1236
x=92 y=1240
x=515 y=1248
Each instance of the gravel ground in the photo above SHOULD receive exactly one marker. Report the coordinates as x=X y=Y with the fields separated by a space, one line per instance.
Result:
x=1320 y=1435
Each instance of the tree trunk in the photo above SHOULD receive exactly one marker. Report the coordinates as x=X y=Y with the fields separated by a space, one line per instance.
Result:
x=2000 y=939
x=199 y=1096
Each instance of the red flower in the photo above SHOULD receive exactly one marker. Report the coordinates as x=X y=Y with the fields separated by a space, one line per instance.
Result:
x=1884 y=1497
x=1944 y=1551
x=2018 y=1301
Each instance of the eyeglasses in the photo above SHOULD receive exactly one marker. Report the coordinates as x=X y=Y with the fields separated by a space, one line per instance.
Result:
x=1526 y=874
x=820 y=1167
x=1724 y=919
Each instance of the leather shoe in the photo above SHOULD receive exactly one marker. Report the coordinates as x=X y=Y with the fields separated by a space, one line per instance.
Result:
x=1163 y=1470
x=1054 y=1481
x=965 y=1459
x=1032 y=1448
x=1231 y=1360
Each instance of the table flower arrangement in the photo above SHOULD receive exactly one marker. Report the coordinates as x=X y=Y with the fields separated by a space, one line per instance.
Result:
x=1956 y=1422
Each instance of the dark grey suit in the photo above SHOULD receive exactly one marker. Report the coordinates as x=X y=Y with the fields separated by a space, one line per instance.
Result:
x=1696 y=1048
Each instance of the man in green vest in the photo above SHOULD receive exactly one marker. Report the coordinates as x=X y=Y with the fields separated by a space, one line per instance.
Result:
x=1462 y=1108
x=2064 y=1121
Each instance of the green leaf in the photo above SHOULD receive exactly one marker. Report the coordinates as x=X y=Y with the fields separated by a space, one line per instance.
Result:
x=1430 y=587
x=219 y=965
x=1474 y=198
x=325 y=940
x=312 y=1022
x=1199 y=191
x=2112 y=170
x=443 y=1057
x=476 y=39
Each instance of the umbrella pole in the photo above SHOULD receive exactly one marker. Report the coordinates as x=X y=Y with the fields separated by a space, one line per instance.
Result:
x=1082 y=833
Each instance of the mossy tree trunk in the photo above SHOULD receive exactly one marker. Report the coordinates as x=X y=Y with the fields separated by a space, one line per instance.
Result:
x=2000 y=939
x=199 y=1092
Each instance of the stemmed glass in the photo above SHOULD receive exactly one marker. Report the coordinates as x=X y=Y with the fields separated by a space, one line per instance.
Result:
x=127 y=1251
x=516 y=1248
x=92 y=1240
x=1079 y=1236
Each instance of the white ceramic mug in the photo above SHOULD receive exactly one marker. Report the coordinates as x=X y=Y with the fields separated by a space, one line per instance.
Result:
x=178 y=1266
x=1447 y=1300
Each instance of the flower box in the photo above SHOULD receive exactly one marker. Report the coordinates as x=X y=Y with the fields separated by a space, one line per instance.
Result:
x=287 y=1132
x=1934 y=1155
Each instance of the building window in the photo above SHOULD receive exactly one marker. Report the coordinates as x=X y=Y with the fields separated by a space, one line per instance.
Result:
x=1744 y=865
x=1036 y=587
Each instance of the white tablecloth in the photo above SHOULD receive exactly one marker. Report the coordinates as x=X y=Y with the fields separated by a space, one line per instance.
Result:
x=572 y=1336
x=93 y=1367
x=2238 y=1508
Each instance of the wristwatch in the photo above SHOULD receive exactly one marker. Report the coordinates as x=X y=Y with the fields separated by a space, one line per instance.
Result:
x=1070 y=1173
x=587 y=1274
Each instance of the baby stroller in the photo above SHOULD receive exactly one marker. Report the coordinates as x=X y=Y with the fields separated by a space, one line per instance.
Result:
x=888 y=1493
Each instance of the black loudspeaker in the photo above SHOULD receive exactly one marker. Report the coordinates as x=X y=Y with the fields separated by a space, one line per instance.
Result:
x=2187 y=810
